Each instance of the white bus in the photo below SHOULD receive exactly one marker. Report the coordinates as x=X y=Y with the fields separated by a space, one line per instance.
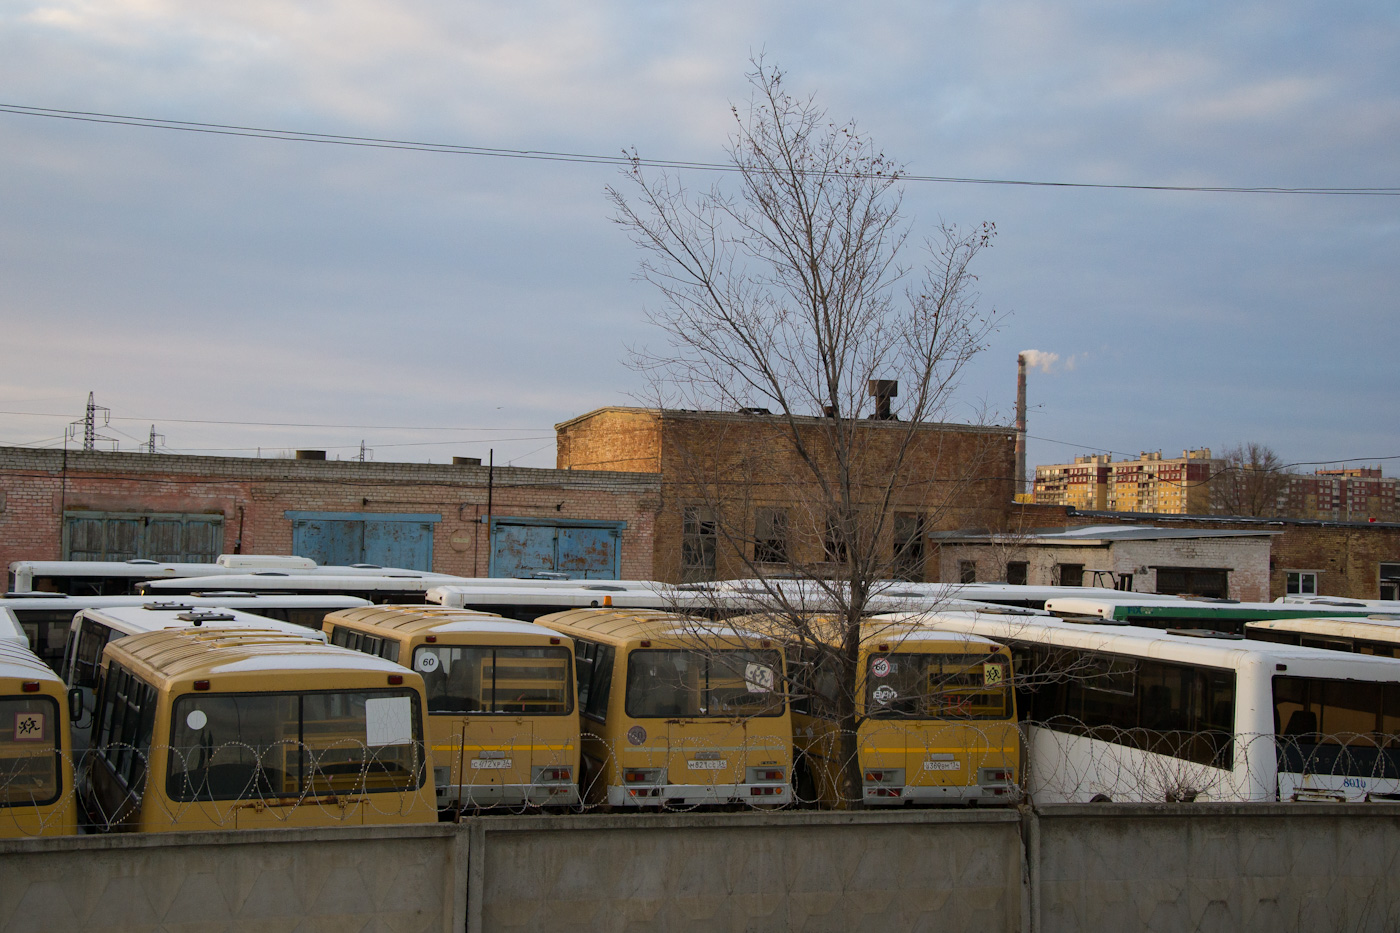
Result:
x=1220 y=615
x=48 y=617
x=380 y=586
x=1132 y=714
x=121 y=577
x=527 y=600
x=1377 y=635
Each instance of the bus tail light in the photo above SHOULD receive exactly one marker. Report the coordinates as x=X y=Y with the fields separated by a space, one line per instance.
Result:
x=30 y=686
x=886 y=778
x=764 y=774
x=995 y=776
x=764 y=791
x=395 y=679
x=553 y=775
x=201 y=685
x=642 y=776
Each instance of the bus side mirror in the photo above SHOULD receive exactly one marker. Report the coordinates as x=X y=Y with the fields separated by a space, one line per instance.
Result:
x=75 y=704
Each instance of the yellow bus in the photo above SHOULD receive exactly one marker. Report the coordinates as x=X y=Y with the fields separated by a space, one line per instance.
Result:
x=502 y=721
x=935 y=713
x=678 y=711
x=239 y=728
x=36 y=769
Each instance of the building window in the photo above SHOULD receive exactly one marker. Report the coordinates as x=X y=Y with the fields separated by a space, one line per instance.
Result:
x=967 y=571
x=1017 y=572
x=909 y=531
x=1124 y=582
x=834 y=543
x=1390 y=581
x=1071 y=575
x=159 y=536
x=698 y=535
x=1193 y=581
x=1301 y=583
x=770 y=536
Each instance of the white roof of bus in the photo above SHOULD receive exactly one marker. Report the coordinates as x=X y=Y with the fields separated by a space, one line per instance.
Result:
x=588 y=595
x=253 y=601
x=492 y=626
x=943 y=593
x=11 y=631
x=1105 y=606
x=1372 y=628
x=131 y=620
x=396 y=581
x=1158 y=643
x=226 y=564
x=17 y=660
x=282 y=658
x=1384 y=605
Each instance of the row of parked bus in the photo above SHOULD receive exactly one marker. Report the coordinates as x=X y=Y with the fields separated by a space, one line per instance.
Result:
x=186 y=718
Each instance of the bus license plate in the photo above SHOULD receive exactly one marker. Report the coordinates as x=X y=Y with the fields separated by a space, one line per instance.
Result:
x=494 y=764
x=714 y=764
x=943 y=766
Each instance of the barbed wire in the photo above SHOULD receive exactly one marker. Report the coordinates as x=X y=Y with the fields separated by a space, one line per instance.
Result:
x=238 y=784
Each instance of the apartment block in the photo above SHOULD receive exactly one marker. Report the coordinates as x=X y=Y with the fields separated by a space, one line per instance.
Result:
x=1082 y=484
x=1356 y=494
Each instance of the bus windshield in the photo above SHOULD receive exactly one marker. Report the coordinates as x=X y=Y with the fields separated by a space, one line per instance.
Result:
x=1337 y=726
x=496 y=679
x=688 y=684
x=28 y=751
x=938 y=686
x=242 y=746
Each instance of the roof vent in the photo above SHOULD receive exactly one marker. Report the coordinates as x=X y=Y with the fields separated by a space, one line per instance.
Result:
x=167 y=607
x=1205 y=633
x=198 y=618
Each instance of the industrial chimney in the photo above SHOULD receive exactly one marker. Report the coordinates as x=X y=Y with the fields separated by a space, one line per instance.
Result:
x=882 y=390
x=1020 y=423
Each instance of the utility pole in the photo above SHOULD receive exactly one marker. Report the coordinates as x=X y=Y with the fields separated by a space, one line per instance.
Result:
x=155 y=439
x=90 y=423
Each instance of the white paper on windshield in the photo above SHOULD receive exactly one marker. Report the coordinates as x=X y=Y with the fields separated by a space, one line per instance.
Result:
x=389 y=721
x=759 y=678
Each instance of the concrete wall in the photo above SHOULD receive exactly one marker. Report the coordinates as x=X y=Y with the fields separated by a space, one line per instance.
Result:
x=1226 y=867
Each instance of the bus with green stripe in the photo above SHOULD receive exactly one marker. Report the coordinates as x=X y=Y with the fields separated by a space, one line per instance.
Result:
x=1225 y=616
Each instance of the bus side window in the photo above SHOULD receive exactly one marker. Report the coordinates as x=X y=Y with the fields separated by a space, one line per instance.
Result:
x=602 y=682
x=91 y=640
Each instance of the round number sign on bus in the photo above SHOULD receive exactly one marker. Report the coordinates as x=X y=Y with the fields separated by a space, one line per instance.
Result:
x=427 y=662
x=880 y=667
x=636 y=735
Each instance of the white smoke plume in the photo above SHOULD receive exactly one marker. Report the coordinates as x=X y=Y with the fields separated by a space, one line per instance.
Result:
x=1043 y=361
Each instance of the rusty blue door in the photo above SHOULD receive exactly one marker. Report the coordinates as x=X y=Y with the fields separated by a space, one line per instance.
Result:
x=343 y=538
x=585 y=550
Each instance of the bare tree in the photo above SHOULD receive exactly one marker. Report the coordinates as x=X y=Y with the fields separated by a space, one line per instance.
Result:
x=791 y=300
x=1248 y=481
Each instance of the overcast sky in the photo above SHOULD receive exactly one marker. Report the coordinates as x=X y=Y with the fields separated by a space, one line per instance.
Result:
x=192 y=279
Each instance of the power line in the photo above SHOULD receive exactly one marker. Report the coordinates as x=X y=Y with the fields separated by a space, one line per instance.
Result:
x=623 y=160
x=273 y=424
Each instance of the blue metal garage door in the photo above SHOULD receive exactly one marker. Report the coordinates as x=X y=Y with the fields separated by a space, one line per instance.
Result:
x=583 y=550
x=342 y=538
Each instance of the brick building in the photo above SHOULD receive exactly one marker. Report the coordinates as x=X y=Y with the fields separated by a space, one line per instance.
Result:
x=102 y=506
x=1359 y=560
x=1227 y=563
x=1356 y=494
x=735 y=489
